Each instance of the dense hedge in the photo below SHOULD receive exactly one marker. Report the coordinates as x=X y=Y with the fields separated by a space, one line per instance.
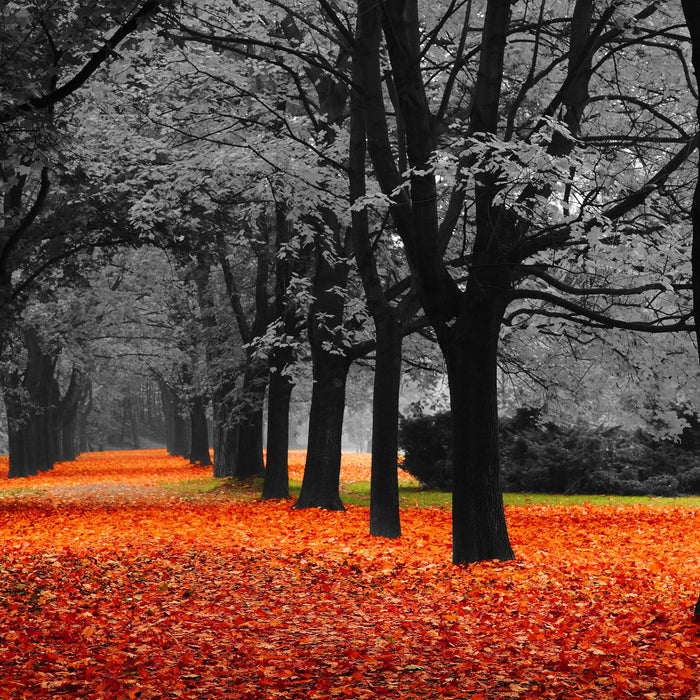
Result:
x=547 y=458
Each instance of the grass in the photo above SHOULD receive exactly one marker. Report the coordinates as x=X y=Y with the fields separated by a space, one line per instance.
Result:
x=412 y=496
x=19 y=491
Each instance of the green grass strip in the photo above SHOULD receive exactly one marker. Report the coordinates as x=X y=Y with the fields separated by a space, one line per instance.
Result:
x=411 y=496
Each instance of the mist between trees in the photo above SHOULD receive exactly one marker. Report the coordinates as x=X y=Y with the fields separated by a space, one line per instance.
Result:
x=216 y=211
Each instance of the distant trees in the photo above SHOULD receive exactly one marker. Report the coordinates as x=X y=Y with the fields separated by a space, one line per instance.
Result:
x=48 y=217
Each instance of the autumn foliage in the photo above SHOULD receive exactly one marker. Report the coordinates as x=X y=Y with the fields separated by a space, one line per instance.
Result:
x=112 y=586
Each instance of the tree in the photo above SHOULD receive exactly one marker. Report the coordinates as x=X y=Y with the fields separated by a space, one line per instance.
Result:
x=45 y=64
x=48 y=55
x=505 y=192
x=692 y=18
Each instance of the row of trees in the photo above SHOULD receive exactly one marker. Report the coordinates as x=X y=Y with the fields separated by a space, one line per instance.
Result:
x=485 y=185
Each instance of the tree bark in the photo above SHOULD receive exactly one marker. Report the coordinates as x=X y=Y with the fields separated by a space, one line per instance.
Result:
x=225 y=433
x=384 y=519
x=281 y=385
x=199 y=434
x=691 y=10
x=250 y=426
x=321 y=484
x=83 y=413
x=131 y=417
x=177 y=440
x=21 y=460
x=384 y=512
x=68 y=414
x=280 y=388
x=479 y=529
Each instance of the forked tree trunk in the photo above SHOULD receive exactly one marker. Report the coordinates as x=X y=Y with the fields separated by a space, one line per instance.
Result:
x=384 y=513
x=321 y=484
x=277 y=469
x=479 y=529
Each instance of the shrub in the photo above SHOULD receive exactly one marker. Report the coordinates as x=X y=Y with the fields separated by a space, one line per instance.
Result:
x=689 y=481
x=554 y=459
x=426 y=442
x=662 y=485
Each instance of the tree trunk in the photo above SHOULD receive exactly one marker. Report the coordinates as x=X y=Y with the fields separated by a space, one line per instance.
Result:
x=199 y=436
x=68 y=415
x=277 y=468
x=479 y=529
x=250 y=443
x=225 y=434
x=691 y=10
x=21 y=460
x=129 y=410
x=177 y=438
x=384 y=513
x=39 y=441
x=83 y=413
x=321 y=484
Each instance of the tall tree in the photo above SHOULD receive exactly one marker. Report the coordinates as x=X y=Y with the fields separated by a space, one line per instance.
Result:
x=692 y=17
x=505 y=194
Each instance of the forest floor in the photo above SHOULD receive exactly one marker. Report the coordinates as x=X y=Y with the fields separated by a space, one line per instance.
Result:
x=128 y=575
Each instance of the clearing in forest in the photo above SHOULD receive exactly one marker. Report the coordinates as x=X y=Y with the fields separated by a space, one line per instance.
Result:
x=113 y=585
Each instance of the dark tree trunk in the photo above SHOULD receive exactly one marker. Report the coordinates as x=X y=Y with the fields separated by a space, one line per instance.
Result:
x=68 y=448
x=225 y=450
x=691 y=10
x=52 y=420
x=182 y=435
x=68 y=414
x=250 y=428
x=83 y=413
x=225 y=434
x=177 y=438
x=39 y=442
x=479 y=529
x=321 y=484
x=384 y=513
x=199 y=443
x=129 y=408
x=277 y=468
x=280 y=386
x=22 y=461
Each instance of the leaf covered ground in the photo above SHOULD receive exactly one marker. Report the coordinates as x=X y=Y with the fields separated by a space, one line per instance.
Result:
x=114 y=587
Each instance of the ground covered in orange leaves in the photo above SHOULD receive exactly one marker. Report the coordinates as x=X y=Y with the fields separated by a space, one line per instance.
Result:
x=148 y=594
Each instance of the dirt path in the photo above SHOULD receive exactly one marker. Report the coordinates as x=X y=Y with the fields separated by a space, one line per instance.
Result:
x=103 y=492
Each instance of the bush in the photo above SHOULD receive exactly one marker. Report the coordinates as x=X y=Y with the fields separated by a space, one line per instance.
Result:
x=426 y=442
x=549 y=458
x=689 y=481
x=661 y=485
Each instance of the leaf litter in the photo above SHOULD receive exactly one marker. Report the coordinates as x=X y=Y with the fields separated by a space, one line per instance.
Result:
x=130 y=592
